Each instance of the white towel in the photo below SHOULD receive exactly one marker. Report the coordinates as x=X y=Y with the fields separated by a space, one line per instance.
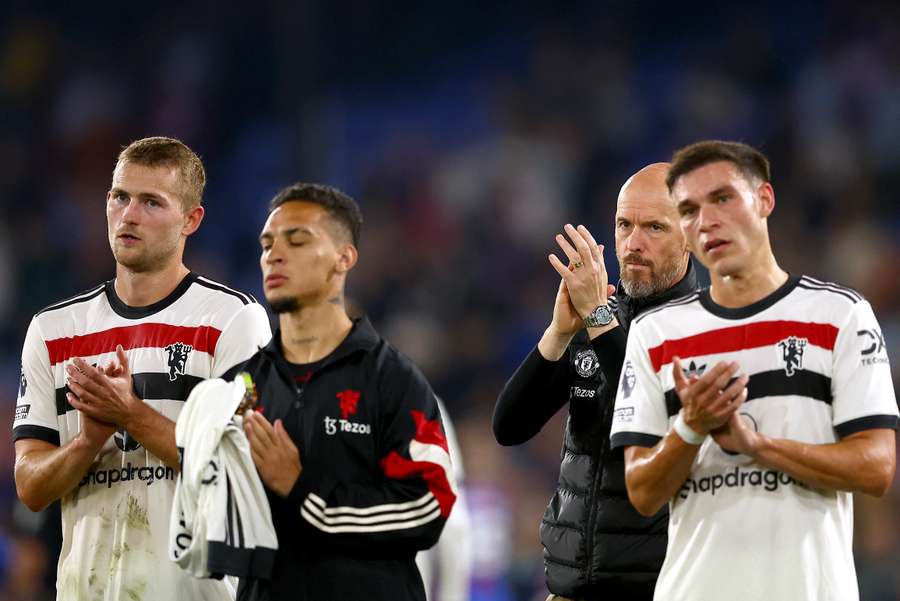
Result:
x=221 y=523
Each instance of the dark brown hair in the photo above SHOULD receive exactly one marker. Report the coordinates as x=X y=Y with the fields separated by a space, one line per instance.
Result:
x=339 y=206
x=169 y=152
x=752 y=163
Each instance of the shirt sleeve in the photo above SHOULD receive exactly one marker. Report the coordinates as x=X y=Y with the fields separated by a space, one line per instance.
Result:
x=406 y=506
x=36 y=404
x=861 y=386
x=535 y=392
x=640 y=417
x=248 y=330
x=539 y=388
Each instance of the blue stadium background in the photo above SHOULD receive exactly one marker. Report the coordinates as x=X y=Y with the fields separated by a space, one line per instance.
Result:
x=469 y=132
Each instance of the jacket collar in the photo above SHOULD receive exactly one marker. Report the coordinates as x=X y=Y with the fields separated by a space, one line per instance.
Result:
x=362 y=337
x=629 y=307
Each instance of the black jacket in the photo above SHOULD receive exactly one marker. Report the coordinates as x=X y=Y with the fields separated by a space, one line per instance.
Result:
x=596 y=545
x=376 y=485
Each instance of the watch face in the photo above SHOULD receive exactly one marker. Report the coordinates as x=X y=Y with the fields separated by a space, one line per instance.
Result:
x=600 y=316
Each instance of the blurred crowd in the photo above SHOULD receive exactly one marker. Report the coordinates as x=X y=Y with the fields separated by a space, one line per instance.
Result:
x=469 y=135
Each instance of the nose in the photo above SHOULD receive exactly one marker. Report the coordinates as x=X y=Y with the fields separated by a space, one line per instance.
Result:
x=131 y=212
x=273 y=254
x=636 y=241
x=708 y=218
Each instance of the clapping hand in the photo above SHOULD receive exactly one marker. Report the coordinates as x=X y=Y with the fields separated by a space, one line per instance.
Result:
x=584 y=284
x=709 y=401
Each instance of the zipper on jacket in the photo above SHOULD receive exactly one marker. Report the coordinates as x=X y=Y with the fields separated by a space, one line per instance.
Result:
x=599 y=458
x=592 y=513
x=299 y=403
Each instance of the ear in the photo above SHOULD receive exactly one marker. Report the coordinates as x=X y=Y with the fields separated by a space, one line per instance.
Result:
x=347 y=257
x=766 y=195
x=192 y=219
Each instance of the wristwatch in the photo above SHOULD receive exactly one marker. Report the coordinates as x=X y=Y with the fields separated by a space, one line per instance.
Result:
x=600 y=316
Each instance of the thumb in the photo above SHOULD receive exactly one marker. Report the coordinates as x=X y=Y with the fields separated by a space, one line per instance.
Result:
x=610 y=290
x=123 y=358
x=678 y=374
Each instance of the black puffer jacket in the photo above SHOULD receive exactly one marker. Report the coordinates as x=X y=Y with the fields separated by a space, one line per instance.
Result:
x=596 y=545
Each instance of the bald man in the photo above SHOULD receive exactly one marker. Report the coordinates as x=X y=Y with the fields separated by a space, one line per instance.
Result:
x=596 y=545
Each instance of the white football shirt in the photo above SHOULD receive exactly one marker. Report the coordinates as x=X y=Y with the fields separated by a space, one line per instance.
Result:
x=818 y=372
x=115 y=523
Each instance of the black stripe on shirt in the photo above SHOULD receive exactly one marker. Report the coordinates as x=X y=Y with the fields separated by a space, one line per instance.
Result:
x=773 y=383
x=637 y=439
x=850 y=291
x=684 y=300
x=870 y=422
x=237 y=515
x=39 y=432
x=78 y=298
x=255 y=562
x=245 y=298
x=147 y=386
x=229 y=525
x=806 y=286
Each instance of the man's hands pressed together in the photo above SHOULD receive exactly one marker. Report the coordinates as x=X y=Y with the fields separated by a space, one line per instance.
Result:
x=276 y=456
x=103 y=395
x=584 y=286
x=709 y=401
x=710 y=406
x=106 y=399
x=653 y=475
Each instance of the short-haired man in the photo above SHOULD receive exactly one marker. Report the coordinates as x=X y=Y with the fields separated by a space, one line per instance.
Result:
x=347 y=440
x=755 y=407
x=596 y=546
x=105 y=374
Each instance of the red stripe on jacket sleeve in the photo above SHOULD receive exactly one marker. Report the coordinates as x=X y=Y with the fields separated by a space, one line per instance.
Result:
x=430 y=460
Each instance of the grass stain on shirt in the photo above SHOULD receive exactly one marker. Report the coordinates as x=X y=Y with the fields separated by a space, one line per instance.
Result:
x=136 y=515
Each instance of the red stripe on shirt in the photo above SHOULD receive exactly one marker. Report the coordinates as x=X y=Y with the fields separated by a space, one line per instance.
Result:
x=747 y=336
x=145 y=335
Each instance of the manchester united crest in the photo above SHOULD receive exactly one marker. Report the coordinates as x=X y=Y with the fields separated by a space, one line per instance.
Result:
x=586 y=364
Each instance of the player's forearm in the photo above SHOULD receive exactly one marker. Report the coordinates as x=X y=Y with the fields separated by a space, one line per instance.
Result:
x=553 y=344
x=156 y=433
x=45 y=475
x=654 y=475
x=863 y=462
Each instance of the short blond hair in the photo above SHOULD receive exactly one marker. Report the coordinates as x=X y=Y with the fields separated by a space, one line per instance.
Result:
x=169 y=152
